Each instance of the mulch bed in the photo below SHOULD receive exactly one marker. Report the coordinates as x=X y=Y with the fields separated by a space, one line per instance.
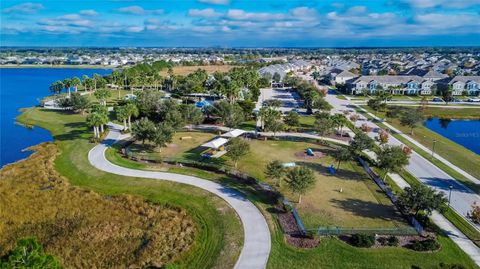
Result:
x=292 y=233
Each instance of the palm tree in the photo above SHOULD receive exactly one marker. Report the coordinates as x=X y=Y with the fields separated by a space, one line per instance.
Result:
x=56 y=87
x=85 y=79
x=75 y=82
x=339 y=120
x=122 y=115
x=342 y=155
x=67 y=83
x=95 y=120
x=132 y=110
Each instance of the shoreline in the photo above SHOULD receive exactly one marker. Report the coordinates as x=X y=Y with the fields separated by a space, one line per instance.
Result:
x=12 y=66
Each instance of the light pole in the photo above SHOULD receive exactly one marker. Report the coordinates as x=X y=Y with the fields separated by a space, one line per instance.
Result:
x=433 y=147
x=450 y=194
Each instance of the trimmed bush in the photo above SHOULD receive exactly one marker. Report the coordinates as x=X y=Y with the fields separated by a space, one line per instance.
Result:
x=429 y=244
x=393 y=241
x=363 y=240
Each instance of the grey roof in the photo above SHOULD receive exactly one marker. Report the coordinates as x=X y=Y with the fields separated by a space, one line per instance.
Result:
x=434 y=74
x=346 y=74
x=389 y=79
x=465 y=79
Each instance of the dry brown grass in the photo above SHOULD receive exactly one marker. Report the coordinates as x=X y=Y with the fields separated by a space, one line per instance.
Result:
x=185 y=70
x=82 y=228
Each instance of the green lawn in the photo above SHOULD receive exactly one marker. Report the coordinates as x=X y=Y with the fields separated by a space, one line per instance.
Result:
x=219 y=239
x=453 y=152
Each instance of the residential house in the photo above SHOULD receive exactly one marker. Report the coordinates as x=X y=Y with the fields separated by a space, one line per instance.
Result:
x=470 y=85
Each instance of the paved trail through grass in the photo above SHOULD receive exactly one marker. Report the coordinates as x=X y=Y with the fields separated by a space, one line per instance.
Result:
x=257 y=243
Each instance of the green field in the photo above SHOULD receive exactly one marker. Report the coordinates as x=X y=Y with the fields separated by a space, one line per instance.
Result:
x=215 y=243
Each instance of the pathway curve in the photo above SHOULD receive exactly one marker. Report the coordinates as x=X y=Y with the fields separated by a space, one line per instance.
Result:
x=257 y=242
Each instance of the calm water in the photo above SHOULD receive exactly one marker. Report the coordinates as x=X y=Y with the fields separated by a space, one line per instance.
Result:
x=24 y=87
x=463 y=132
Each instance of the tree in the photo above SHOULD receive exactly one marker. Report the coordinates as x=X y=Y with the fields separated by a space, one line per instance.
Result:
x=163 y=135
x=292 y=119
x=95 y=120
x=323 y=124
x=122 y=115
x=75 y=83
x=276 y=77
x=420 y=198
x=275 y=171
x=392 y=159
x=300 y=179
x=342 y=155
x=67 y=83
x=237 y=148
x=102 y=95
x=191 y=114
x=29 y=254
x=132 y=111
x=143 y=129
x=447 y=94
x=339 y=120
x=474 y=214
x=231 y=115
x=375 y=104
x=56 y=87
x=79 y=102
x=361 y=142
x=411 y=118
x=383 y=137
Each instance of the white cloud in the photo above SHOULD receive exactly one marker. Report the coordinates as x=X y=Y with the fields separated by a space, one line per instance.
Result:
x=441 y=3
x=304 y=13
x=204 y=13
x=26 y=8
x=88 y=12
x=203 y=29
x=71 y=20
x=357 y=10
x=240 y=14
x=138 y=10
x=215 y=2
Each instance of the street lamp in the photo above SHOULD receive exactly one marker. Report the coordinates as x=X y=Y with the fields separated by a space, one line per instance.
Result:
x=450 y=194
x=433 y=147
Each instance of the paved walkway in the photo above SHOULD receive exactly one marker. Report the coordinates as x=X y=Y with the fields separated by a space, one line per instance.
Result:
x=456 y=235
x=257 y=243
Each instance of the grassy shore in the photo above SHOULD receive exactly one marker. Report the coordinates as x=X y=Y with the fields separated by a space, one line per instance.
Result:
x=219 y=237
x=453 y=152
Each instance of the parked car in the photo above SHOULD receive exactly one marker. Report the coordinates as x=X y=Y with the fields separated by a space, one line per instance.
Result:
x=437 y=99
x=454 y=100
x=473 y=99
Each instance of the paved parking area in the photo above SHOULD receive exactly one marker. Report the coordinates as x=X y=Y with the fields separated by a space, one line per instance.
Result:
x=290 y=99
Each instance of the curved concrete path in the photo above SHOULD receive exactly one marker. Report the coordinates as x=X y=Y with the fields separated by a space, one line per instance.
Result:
x=256 y=245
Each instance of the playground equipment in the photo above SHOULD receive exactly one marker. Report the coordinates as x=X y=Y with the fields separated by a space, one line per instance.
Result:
x=310 y=152
x=289 y=165
x=332 y=170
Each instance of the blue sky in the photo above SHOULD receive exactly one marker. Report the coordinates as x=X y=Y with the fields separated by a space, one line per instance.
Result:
x=240 y=23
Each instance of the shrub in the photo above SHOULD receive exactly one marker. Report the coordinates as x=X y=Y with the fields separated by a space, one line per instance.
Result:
x=363 y=240
x=288 y=208
x=429 y=244
x=310 y=234
x=392 y=241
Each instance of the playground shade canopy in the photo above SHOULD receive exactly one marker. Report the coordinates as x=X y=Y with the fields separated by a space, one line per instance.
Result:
x=234 y=133
x=215 y=143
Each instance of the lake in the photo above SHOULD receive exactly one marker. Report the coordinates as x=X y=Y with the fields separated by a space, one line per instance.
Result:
x=24 y=87
x=463 y=132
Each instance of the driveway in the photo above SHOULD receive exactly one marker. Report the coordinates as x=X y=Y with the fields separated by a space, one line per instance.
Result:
x=256 y=245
